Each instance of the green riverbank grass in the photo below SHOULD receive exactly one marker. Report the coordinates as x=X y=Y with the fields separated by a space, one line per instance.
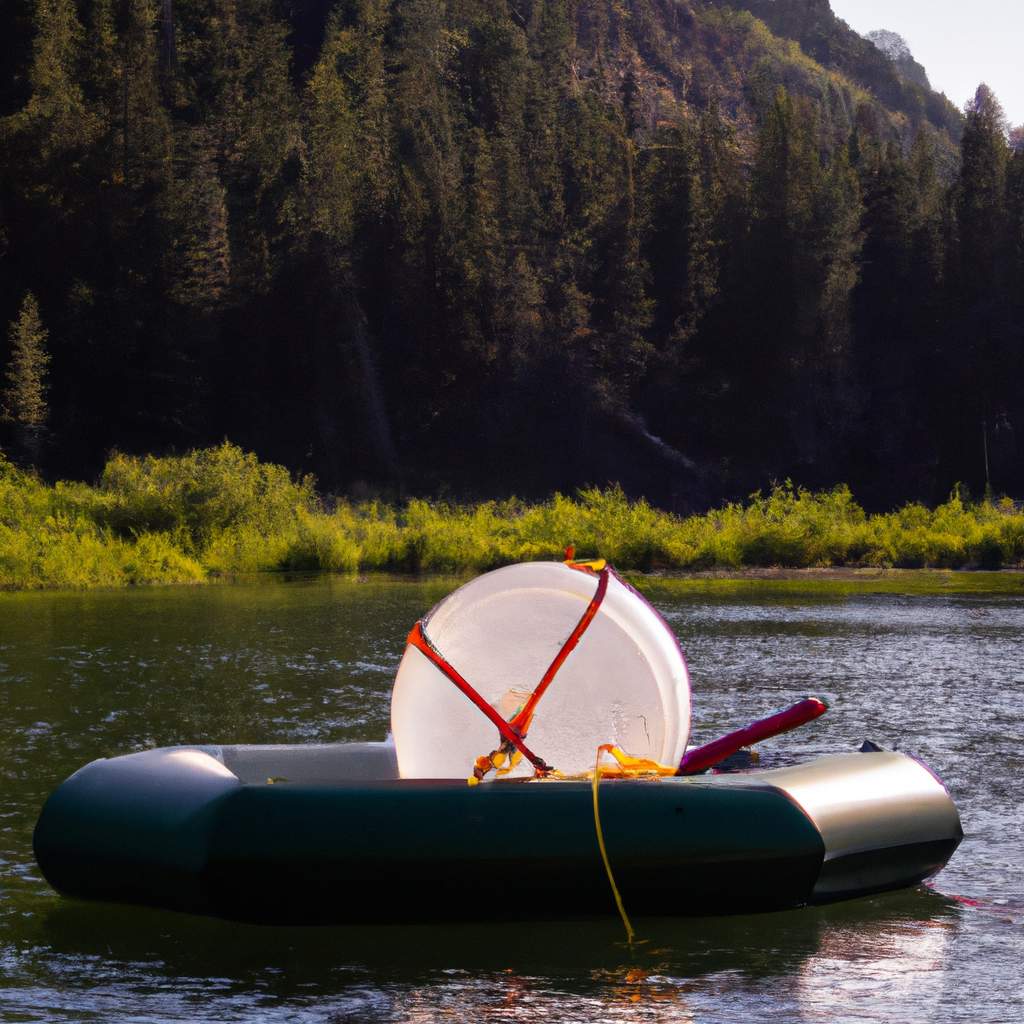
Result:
x=220 y=512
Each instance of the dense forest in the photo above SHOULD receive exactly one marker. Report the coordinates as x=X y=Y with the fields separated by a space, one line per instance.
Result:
x=471 y=247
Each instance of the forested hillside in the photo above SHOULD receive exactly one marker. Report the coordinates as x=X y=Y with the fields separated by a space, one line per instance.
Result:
x=472 y=247
x=893 y=77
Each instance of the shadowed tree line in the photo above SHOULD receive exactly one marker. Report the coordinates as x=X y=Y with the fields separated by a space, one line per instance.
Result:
x=474 y=247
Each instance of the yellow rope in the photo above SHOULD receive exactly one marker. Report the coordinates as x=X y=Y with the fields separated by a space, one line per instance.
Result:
x=604 y=852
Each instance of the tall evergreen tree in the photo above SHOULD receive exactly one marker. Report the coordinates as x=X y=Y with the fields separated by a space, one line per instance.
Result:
x=979 y=342
x=101 y=73
x=198 y=261
x=1010 y=444
x=23 y=401
x=145 y=135
x=836 y=248
x=56 y=117
x=1015 y=226
x=25 y=393
x=680 y=248
x=333 y=163
x=769 y=358
x=622 y=310
x=980 y=192
x=886 y=355
x=236 y=67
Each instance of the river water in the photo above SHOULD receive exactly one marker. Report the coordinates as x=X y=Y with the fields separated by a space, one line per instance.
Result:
x=90 y=675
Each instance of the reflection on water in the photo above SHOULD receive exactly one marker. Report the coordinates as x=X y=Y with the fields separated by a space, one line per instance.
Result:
x=83 y=676
x=564 y=971
x=900 y=965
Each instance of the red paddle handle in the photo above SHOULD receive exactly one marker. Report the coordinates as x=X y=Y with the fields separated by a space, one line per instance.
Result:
x=701 y=758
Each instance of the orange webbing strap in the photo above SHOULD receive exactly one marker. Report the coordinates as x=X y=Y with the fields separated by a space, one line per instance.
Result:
x=508 y=732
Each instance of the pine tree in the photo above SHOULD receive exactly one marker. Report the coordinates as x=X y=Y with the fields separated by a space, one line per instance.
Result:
x=347 y=191
x=803 y=255
x=679 y=247
x=925 y=392
x=838 y=246
x=197 y=265
x=1015 y=222
x=785 y=179
x=101 y=73
x=46 y=146
x=979 y=356
x=883 y=323
x=239 y=93
x=372 y=92
x=1015 y=371
x=623 y=356
x=238 y=61
x=980 y=193
x=57 y=117
x=423 y=336
x=481 y=248
x=775 y=339
x=334 y=158
x=25 y=395
x=122 y=79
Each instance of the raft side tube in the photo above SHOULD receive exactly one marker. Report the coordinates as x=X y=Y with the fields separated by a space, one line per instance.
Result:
x=134 y=828
x=439 y=849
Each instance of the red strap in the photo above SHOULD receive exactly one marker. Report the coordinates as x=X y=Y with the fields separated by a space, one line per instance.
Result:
x=514 y=731
x=521 y=721
x=508 y=732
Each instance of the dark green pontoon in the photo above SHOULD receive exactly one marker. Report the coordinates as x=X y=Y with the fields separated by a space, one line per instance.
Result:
x=330 y=833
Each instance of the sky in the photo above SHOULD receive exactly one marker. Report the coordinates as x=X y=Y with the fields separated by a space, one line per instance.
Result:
x=960 y=44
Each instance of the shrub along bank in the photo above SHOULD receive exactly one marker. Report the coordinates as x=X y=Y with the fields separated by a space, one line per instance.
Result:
x=220 y=512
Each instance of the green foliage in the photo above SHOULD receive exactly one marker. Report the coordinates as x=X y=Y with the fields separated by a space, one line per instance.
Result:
x=55 y=537
x=199 y=495
x=220 y=512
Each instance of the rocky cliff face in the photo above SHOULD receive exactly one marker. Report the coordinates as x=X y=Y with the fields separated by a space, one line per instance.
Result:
x=900 y=83
x=663 y=59
x=895 y=47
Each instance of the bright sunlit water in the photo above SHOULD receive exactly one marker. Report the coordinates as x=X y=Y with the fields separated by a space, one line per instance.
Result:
x=90 y=675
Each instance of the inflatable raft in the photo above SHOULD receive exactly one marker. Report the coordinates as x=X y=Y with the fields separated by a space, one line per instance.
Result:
x=316 y=834
x=392 y=831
